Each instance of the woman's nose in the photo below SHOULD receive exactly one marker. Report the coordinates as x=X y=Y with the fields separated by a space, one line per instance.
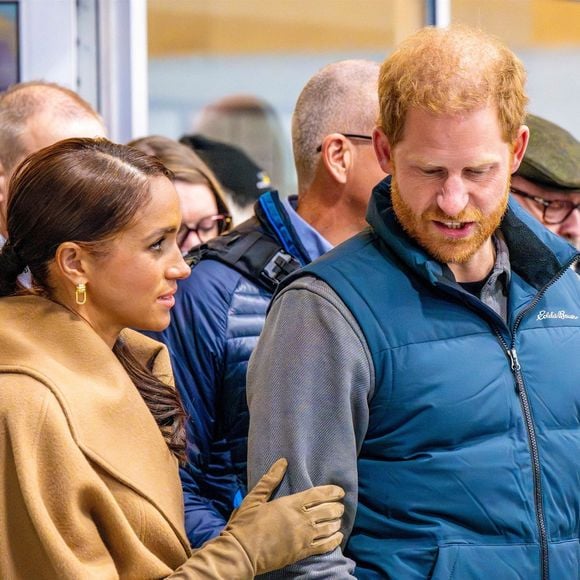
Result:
x=179 y=269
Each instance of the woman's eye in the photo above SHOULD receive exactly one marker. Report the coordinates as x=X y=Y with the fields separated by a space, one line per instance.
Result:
x=206 y=228
x=206 y=225
x=157 y=245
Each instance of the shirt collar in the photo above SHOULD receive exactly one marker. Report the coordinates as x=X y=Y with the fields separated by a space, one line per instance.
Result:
x=312 y=241
x=502 y=257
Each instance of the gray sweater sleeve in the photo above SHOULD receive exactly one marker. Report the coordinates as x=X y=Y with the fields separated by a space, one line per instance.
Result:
x=309 y=385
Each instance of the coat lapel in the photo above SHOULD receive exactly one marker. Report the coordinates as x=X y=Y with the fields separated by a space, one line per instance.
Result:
x=106 y=414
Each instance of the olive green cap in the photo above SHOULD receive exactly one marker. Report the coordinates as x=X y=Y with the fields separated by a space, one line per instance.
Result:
x=552 y=157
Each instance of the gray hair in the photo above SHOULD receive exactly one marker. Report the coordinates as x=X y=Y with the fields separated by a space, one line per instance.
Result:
x=21 y=102
x=341 y=97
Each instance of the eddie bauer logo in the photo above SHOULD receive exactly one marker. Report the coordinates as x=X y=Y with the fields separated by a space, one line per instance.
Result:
x=560 y=315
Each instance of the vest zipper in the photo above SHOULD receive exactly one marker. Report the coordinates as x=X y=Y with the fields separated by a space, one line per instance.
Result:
x=529 y=420
x=535 y=456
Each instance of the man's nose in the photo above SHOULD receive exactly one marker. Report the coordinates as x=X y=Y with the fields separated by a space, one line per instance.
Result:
x=453 y=197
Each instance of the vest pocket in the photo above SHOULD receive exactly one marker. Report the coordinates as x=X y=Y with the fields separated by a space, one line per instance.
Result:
x=471 y=562
x=565 y=559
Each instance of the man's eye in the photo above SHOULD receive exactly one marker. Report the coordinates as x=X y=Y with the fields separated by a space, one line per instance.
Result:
x=431 y=172
x=483 y=171
x=558 y=204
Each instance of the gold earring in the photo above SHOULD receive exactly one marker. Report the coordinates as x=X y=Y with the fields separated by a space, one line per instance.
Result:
x=81 y=293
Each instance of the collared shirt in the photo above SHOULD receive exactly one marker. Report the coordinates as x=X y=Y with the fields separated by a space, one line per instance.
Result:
x=314 y=244
x=495 y=290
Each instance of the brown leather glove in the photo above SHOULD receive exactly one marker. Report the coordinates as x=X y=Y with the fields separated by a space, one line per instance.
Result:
x=266 y=535
x=280 y=532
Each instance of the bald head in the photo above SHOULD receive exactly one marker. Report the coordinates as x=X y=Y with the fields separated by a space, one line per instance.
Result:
x=340 y=98
x=34 y=115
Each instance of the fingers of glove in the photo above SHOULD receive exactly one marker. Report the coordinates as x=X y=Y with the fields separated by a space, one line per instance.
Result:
x=326 y=529
x=325 y=512
x=268 y=483
x=321 y=494
x=322 y=545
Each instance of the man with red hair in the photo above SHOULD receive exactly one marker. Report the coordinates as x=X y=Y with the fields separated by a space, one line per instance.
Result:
x=430 y=364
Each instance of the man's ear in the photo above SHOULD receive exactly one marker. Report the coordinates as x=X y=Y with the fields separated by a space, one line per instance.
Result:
x=520 y=146
x=71 y=262
x=336 y=156
x=383 y=150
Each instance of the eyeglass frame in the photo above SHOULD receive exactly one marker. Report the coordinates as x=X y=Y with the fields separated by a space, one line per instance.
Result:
x=546 y=203
x=225 y=218
x=349 y=136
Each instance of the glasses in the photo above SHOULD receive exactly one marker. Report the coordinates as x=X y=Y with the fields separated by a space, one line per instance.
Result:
x=206 y=229
x=554 y=211
x=349 y=136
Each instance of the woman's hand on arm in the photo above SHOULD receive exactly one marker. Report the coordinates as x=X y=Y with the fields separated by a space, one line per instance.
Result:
x=266 y=535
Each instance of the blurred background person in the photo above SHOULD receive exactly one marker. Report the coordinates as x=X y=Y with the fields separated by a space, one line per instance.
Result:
x=251 y=124
x=204 y=212
x=242 y=180
x=36 y=114
x=547 y=184
x=220 y=309
x=91 y=426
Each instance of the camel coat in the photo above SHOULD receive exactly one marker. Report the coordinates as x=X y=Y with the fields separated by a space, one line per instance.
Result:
x=88 y=488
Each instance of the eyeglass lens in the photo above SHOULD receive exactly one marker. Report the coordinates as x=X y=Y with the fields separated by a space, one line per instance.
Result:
x=206 y=229
x=558 y=211
x=555 y=211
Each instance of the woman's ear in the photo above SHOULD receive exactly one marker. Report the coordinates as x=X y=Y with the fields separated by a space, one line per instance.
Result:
x=71 y=262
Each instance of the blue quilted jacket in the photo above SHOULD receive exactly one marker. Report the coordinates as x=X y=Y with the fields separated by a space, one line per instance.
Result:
x=218 y=316
x=470 y=467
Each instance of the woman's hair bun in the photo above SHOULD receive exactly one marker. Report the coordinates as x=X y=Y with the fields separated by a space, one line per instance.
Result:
x=11 y=265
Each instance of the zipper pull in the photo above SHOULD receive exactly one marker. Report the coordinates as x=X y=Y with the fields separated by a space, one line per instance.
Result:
x=515 y=363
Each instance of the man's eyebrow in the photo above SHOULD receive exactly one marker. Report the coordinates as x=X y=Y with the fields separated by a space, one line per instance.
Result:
x=428 y=164
x=484 y=163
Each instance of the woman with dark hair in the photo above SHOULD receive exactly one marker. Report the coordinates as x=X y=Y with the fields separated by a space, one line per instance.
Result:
x=204 y=212
x=91 y=428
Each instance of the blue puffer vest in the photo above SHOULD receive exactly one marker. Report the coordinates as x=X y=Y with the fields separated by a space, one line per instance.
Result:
x=470 y=468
